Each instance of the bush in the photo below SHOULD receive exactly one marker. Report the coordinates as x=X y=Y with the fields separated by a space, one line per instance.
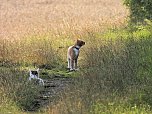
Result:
x=139 y=9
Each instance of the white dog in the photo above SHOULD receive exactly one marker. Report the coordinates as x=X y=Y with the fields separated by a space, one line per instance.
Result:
x=34 y=74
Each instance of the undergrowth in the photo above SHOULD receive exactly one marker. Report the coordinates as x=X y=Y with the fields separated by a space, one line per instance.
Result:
x=114 y=77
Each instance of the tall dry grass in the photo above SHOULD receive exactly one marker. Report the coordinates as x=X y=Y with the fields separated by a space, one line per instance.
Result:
x=26 y=17
x=39 y=32
x=30 y=51
x=30 y=27
x=116 y=75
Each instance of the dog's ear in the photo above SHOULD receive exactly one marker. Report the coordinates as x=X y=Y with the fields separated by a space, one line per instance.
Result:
x=37 y=69
x=83 y=43
x=78 y=41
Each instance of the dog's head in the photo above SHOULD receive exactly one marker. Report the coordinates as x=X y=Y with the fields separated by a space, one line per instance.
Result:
x=34 y=72
x=80 y=42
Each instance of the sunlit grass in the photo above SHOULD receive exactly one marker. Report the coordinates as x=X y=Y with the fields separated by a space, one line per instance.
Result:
x=115 y=77
x=28 y=17
x=115 y=64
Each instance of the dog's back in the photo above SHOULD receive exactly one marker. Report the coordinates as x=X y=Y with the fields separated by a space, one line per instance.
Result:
x=73 y=53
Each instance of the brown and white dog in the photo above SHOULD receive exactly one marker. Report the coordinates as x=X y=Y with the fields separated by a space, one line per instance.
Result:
x=73 y=53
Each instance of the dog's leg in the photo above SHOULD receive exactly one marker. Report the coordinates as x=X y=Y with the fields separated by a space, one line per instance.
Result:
x=72 y=65
x=76 y=65
x=30 y=78
x=76 y=61
x=69 y=63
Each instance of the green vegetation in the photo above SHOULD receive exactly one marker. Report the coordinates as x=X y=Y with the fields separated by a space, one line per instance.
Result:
x=115 y=68
x=114 y=77
x=16 y=92
x=139 y=10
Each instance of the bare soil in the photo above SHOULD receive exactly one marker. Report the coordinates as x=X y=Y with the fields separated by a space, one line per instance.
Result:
x=52 y=88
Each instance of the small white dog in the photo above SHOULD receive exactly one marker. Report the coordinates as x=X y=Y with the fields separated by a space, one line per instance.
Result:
x=34 y=74
x=73 y=53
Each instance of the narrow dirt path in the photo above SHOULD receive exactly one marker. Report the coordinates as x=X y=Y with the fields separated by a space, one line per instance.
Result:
x=52 y=88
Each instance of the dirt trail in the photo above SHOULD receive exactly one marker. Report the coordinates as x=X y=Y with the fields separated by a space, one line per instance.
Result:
x=52 y=88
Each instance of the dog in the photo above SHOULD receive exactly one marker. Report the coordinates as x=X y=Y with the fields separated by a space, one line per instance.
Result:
x=34 y=74
x=73 y=54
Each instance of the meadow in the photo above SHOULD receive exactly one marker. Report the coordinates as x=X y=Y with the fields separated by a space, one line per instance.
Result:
x=30 y=17
x=115 y=64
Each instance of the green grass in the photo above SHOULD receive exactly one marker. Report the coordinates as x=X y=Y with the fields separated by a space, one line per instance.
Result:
x=116 y=64
x=113 y=108
x=114 y=77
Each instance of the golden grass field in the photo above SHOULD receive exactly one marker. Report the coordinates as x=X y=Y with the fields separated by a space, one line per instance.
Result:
x=20 y=18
